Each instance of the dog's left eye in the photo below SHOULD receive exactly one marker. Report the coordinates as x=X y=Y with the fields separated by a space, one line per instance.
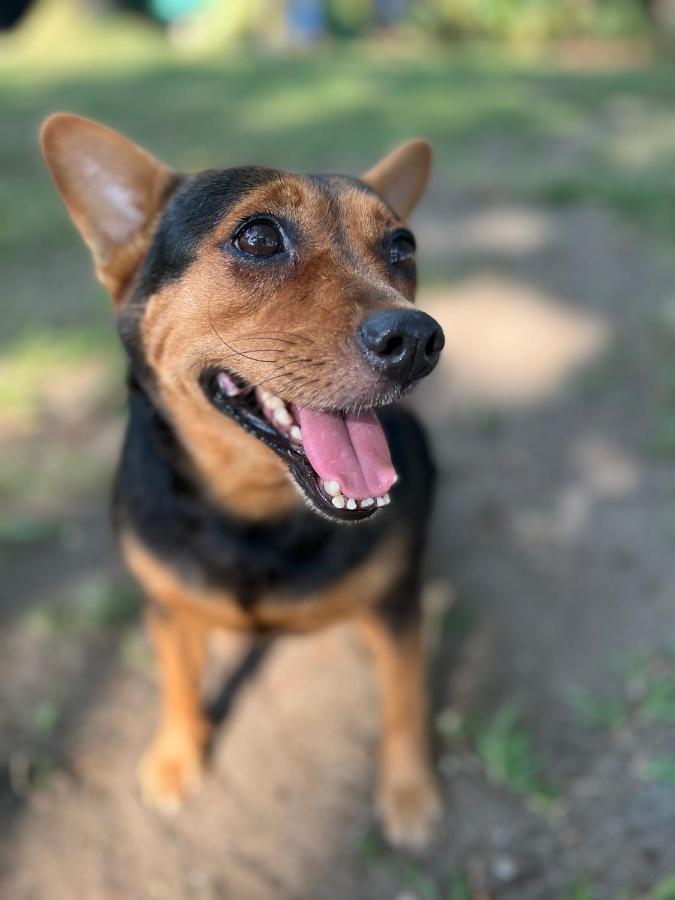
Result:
x=260 y=239
x=402 y=252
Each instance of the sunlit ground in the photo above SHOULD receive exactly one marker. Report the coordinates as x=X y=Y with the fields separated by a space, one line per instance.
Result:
x=546 y=245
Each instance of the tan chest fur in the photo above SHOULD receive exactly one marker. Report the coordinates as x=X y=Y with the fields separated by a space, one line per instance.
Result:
x=355 y=592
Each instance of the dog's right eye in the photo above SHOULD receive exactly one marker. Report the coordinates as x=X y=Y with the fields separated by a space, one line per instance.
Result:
x=260 y=239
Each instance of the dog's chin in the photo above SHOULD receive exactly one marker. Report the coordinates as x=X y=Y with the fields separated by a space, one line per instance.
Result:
x=271 y=421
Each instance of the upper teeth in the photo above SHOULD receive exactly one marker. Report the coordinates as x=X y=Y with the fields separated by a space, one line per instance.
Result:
x=277 y=411
x=282 y=415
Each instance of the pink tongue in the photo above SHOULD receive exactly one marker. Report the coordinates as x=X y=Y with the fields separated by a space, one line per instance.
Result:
x=348 y=448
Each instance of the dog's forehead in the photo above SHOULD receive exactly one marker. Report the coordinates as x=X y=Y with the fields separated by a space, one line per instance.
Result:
x=208 y=206
x=321 y=203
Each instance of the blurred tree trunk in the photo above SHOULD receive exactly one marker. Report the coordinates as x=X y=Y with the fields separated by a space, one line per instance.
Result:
x=662 y=15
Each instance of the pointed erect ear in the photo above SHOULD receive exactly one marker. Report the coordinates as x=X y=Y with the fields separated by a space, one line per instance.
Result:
x=402 y=176
x=113 y=190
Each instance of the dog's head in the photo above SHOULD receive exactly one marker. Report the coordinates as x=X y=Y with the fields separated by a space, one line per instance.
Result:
x=279 y=302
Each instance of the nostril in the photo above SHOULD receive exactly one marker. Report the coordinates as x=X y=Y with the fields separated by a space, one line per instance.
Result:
x=392 y=347
x=435 y=343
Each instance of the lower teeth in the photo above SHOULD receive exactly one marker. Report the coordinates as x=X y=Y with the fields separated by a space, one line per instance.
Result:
x=338 y=499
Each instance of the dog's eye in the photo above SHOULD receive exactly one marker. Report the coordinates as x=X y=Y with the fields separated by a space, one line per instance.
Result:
x=259 y=239
x=402 y=252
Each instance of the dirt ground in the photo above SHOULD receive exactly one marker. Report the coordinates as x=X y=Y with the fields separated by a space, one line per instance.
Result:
x=551 y=595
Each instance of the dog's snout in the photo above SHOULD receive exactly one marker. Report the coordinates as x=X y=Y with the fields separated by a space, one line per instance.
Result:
x=403 y=343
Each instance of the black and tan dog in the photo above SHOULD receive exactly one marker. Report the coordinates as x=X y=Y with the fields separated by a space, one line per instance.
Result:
x=265 y=315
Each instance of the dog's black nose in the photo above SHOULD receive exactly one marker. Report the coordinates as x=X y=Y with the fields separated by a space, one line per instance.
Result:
x=404 y=343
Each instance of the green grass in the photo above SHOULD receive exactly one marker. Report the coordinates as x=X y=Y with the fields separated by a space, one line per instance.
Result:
x=580 y=889
x=651 y=685
x=645 y=695
x=374 y=852
x=32 y=363
x=509 y=755
x=95 y=604
x=598 y=712
x=17 y=531
x=45 y=718
x=665 y=890
x=659 y=770
x=460 y=887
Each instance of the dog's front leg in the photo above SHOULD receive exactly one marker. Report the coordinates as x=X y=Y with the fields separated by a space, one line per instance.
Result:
x=408 y=799
x=173 y=764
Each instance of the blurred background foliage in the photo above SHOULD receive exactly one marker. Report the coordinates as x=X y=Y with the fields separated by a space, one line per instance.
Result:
x=202 y=26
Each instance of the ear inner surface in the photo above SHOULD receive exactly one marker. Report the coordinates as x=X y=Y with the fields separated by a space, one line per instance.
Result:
x=401 y=176
x=114 y=192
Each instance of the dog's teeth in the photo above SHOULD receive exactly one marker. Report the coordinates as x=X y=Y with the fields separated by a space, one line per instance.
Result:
x=339 y=501
x=380 y=501
x=332 y=488
x=351 y=504
x=274 y=402
x=387 y=499
x=368 y=501
x=296 y=434
x=282 y=416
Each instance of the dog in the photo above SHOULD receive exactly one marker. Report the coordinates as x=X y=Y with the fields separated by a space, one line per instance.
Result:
x=265 y=316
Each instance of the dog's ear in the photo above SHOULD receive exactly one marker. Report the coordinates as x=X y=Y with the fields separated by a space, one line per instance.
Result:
x=113 y=190
x=401 y=176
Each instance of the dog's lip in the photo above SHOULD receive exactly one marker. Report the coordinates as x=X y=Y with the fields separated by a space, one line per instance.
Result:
x=240 y=404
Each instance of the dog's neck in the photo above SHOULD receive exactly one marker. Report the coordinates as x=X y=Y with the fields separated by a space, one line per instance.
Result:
x=237 y=472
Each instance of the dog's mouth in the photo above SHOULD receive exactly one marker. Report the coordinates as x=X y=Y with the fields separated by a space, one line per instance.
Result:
x=340 y=459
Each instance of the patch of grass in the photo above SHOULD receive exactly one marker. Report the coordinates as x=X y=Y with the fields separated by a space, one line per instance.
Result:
x=50 y=622
x=580 y=889
x=646 y=695
x=107 y=605
x=460 y=887
x=509 y=755
x=96 y=604
x=19 y=530
x=45 y=718
x=598 y=712
x=665 y=890
x=375 y=852
x=661 y=443
x=651 y=685
x=31 y=364
x=41 y=480
x=658 y=704
x=416 y=878
x=659 y=769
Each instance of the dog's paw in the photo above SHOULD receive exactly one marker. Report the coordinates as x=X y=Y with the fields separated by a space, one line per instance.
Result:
x=410 y=811
x=168 y=772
